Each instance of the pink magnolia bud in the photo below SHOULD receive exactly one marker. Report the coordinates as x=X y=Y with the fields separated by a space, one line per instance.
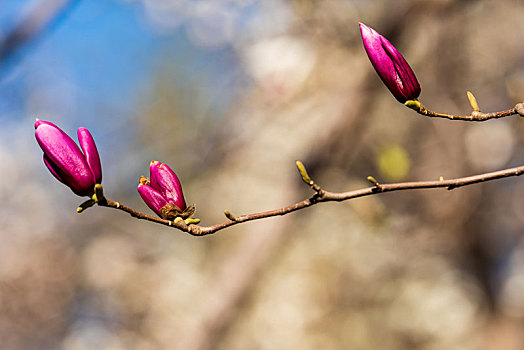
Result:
x=391 y=67
x=93 y=159
x=152 y=197
x=64 y=159
x=166 y=182
x=163 y=194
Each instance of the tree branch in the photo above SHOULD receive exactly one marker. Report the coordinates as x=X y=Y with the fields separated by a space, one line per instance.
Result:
x=190 y=225
x=475 y=116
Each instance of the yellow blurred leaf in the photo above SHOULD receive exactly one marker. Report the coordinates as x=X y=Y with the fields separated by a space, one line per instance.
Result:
x=393 y=162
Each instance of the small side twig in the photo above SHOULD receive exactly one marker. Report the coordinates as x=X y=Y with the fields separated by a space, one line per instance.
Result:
x=307 y=179
x=319 y=196
x=229 y=215
x=378 y=187
x=476 y=115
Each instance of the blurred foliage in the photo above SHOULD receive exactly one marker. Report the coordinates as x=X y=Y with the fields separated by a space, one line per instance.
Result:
x=393 y=163
x=230 y=93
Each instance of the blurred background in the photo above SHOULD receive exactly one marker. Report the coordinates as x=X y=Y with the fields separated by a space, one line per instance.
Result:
x=230 y=93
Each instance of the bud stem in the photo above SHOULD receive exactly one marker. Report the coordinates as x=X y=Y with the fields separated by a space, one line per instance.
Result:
x=87 y=204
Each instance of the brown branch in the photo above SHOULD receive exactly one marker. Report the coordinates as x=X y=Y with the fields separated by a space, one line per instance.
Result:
x=475 y=116
x=320 y=196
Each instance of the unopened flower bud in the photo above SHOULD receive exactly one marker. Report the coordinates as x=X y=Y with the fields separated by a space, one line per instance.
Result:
x=64 y=159
x=163 y=192
x=391 y=67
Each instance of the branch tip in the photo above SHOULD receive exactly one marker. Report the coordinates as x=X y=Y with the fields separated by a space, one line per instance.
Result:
x=87 y=204
x=473 y=102
x=303 y=172
x=230 y=216
x=373 y=181
x=413 y=104
x=192 y=221
x=98 y=196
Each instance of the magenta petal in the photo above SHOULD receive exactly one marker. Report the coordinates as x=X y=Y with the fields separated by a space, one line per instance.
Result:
x=166 y=182
x=65 y=158
x=391 y=67
x=87 y=143
x=53 y=169
x=153 y=199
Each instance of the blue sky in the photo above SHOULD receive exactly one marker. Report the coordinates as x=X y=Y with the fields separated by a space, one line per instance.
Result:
x=96 y=66
x=99 y=54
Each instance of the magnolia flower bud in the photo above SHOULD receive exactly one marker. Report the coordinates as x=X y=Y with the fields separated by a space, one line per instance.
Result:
x=391 y=67
x=64 y=159
x=166 y=182
x=163 y=193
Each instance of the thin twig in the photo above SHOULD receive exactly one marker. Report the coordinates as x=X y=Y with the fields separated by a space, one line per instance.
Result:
x=475 y=116
x=319 y=196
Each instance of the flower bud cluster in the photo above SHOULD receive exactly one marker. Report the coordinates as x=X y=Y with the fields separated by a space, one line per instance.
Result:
x=80 y=170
